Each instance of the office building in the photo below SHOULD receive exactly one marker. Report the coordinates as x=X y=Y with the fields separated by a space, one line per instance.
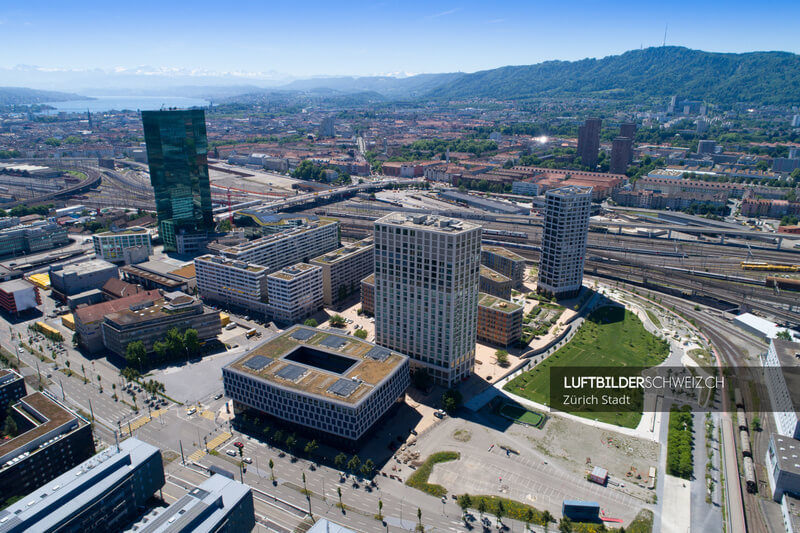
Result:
x=525 y=188
x=783 y=467
x=12 y=388
x=217 y=505
x=149 y=321
x=289 y=245
x=50 y=439
x=499 y=321
x=706 y=147
x=782 y=377
x=103 y=493
x=566 y=224
x=325 y=383
x=18 y=295
x=79 y=283
x=295 y=292
x=368 y=295
x=426 y=292
x=505 y=262
x=231 y=283
x=16 y=238
x=589 y=141
x=621 y=155
x=177 y=156
x=327 y=127
x=344 y=268
x=494 y=283
x=88 y=320
x=129 y=245
x=161 y=274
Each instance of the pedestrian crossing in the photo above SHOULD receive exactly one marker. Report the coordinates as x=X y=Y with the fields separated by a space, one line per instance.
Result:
x=213 y=444
x=209 y=415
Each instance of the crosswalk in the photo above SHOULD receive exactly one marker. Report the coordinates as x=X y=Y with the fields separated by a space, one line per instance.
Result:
x=213 y=444
x=209 y=415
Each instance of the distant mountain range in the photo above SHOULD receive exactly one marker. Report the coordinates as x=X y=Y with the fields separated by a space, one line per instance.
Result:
x=21 y=95
x=411 y=86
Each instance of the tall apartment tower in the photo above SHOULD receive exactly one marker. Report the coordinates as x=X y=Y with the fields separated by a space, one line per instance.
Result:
x=177 y=154
x=589 y=141
x=566 y=223
x=427 y=271
x=622 y=148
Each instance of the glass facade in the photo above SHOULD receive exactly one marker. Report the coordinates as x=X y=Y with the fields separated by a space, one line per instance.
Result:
x=177 y=154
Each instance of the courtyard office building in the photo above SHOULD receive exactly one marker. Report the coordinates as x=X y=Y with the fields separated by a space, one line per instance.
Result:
x=426 y=292
x=177 y=155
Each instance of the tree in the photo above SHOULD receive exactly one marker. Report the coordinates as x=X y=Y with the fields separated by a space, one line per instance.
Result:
x=354 y=464
x=565 y=525
x=311 y=446
x=339 y=492
x=225 y=225
x=191 y=341
x=291 y=442
x=547 y=518
x=271 y=470
x=361 y=333
x=419 y=520
x=784 y=335
x=451 y=400
x=499 y=511
x=340 y=460
x=277 y=437
x=135 y=353
x=367 y=468
x=310 y=322
x=482 y=506
x=337 y=321
x=502 y=358
x=756 y=423
x=10 y=427
x=464 y=501
x=379 y=516
x=174 y=342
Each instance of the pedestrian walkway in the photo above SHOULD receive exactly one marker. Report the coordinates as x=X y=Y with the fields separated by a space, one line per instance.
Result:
x=209 y=415
x=139 y=422
x=197 y=455
x=213 y=444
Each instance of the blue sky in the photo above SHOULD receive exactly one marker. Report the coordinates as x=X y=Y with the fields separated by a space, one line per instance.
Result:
x=304 y=38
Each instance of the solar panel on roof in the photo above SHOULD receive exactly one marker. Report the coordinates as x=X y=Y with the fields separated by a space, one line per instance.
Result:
x=334 y=342
x=291 y=372
x=378 y=353
x=257 y=362
x=303 y=334
x=343 y=387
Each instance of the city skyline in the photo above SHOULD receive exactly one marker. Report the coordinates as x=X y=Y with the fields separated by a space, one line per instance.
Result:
x=329 y=40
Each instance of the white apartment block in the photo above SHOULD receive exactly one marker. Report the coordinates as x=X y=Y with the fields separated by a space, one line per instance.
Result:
x=781 y=370
x=566 y=224
x=344 y=268
x=295 y=292
x=426 y=292
x=295 y=245
x=232 y=283
x=129 y=245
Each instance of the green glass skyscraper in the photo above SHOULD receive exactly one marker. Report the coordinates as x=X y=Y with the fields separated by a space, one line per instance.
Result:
x=177 y=154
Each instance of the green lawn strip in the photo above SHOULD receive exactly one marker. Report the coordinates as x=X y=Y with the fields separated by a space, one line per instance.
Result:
x=609 y=337
x=680 y=442
x=643 y=523
x=419 y=479
x=522 y=415
x=653 y=318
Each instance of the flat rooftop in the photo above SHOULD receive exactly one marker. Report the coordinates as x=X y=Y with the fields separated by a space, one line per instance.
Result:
x=55 y=415
x=232 y=263
x=340 y=254
x=86 y=267
x=15 y=285
x=487 y=272
x=497 y=304
x=505 y=252
x=293 y=271
x=787 y=451
x=569 y=190
x=369 y=280
x=788 y=353
x=290 y=231
x=141 y=313
x=435 y=223
x=313 y=361
x=133 y=230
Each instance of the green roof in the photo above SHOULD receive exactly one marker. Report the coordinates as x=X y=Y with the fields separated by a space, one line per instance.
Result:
x=497 y=304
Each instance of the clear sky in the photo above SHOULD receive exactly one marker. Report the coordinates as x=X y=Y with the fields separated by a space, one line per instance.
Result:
x=334 y=37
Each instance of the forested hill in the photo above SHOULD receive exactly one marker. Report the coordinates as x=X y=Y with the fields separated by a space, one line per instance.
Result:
x=754 y=77
x=21 y=95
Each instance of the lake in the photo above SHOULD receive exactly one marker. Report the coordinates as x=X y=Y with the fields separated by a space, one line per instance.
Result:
x=133 y=103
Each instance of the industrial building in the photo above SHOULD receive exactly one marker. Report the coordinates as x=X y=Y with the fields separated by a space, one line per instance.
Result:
x=161 y=274
x=16 y=238
x=505 y=262
x=232 y=283
x=324 y=383
x=499 y=321
x=291 y=244
x=494 y=283
x=344 y=268
x=51 y=439
x=149 y=321
x=18 y=295
x=566 y=225
x=88 y=320
x=217 y=505
x=78 y=283
x=105 y=492
x=368 y=295
x=129 y=245
x=782 y=377
x=295 y=292
x=426 y=292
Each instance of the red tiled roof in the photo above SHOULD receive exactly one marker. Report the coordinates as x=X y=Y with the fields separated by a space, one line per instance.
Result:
x=93 y=313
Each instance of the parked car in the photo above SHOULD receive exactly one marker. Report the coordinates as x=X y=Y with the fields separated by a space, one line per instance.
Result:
x=238 y=444
x=218 y=396
x=248 y=460
x=232 y=453
x=191 y=411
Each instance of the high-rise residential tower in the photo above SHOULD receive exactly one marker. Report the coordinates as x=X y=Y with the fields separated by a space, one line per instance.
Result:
x=566 y=223
x=176 y=152
x=589 y=141
x=427 y=272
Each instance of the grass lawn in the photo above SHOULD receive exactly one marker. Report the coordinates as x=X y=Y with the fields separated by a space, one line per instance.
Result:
x=653 y=318
x=419 y=479
x=522 y=415
x=610 y=336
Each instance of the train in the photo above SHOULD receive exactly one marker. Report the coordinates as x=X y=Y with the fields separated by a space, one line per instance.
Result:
x=514 y=235
x=749 y=475
x=745 y=437
x=508 y=244
x=741 y=420
x=786 y=284
x=776 y=267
